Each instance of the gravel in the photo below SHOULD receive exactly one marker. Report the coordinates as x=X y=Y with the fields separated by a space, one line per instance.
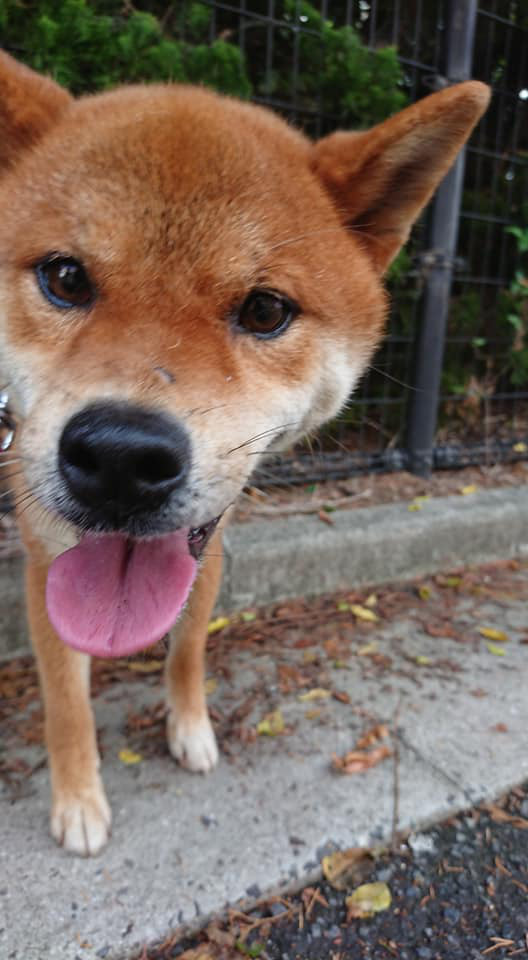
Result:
x=459 y=892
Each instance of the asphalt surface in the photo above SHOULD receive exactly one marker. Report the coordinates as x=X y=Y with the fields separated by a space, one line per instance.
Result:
x=459 y=892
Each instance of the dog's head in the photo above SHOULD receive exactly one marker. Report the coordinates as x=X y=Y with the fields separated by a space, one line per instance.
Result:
x=185 y=283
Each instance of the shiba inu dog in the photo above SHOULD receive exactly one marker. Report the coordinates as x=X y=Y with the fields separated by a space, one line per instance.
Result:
x=185 y=280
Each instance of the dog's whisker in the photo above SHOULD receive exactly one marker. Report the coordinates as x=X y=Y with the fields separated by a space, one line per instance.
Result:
x=261 y=436
x=389 y=376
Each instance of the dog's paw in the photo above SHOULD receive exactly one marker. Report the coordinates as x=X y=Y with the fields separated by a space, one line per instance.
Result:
x=81 y=824
x=192 y=743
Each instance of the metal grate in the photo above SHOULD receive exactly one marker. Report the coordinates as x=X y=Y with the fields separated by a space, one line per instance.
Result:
x=481 y=404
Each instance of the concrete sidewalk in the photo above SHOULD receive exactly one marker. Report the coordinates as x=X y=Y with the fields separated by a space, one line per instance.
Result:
x=185 y=846
x=299 y=556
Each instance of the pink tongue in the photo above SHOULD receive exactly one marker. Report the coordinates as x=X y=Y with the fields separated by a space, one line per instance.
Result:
x=110 y=596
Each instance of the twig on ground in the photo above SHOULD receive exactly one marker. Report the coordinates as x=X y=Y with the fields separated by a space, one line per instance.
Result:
x=282 y=509
x=396 y=777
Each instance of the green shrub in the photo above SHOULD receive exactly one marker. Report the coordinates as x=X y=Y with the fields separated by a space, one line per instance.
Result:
x=92 y=46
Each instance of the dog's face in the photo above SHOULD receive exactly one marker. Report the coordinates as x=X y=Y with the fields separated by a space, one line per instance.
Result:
x=165 y=253
x=185 y=283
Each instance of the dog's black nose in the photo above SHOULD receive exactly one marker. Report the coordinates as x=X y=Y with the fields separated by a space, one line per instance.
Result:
x=119 y=459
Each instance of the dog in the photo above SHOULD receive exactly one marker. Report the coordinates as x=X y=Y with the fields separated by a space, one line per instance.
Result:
x=186 y=282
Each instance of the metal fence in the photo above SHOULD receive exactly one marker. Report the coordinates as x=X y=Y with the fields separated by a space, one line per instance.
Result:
x=447 y=388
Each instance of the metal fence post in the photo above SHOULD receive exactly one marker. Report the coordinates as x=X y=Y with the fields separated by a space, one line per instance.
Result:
x=443 y=232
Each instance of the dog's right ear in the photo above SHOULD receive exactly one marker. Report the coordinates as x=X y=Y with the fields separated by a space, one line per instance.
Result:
x=29 y=106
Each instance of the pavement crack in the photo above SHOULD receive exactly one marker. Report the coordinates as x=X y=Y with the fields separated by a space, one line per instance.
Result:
x=434 y=766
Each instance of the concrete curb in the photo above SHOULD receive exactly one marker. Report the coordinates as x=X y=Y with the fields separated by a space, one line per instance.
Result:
x=268 y=561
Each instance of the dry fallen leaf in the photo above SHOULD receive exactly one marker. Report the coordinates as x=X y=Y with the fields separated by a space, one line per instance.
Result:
x=520 y=447
x=378 y=732
x=371 y=600
x=145 y=666
x=210 y=686
x=129 y=757
x=424 y=592
x=367 y=649
x=347 y=867
x=217 y=934
x=271 y=725
x=341 y=695
x=491 y=634
x=203 y=952
x=358 y=761
x=313 y=714
x=422 y=661
x=468 y=489
x=502 y=816
x=363 y=613
x=317 y=693
x=367 y=900
x=218 y=624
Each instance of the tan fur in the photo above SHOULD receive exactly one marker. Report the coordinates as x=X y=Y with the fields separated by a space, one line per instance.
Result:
x=179 y=203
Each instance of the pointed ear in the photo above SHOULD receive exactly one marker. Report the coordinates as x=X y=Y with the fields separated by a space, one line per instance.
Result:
x=29 y=106
x=381 y=179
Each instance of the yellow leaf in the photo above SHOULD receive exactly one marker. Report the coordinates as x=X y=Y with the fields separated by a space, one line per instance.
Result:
x=347 y=867
x=218 y=624
x=418 y=502
x=317 y=693
x=210 y=686
x=452 y=582
x=495 y=650
x=520 y=447
x=491 y=634
x=371 y=600
x=468 y=489
x=367 y=649
x=129 y=757
x=271 y=725
x=145 y=666
x=362 y=613
x=422 y=661
x=424 y=592
x=368 y=899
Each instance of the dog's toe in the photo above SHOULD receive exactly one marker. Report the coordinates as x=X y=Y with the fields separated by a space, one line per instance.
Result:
x=192 y=743
x=81 y=824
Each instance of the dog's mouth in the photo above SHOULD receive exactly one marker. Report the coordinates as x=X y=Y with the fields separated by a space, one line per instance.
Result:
x=112 y=595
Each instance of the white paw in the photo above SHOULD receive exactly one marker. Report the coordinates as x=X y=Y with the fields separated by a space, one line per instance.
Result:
x=192 y=743
x=81 y=824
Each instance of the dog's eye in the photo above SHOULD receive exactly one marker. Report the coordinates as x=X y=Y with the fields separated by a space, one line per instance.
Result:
x=64 y=281
x=266 y=314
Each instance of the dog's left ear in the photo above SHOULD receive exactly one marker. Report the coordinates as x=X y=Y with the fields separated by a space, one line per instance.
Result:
x=381 y=179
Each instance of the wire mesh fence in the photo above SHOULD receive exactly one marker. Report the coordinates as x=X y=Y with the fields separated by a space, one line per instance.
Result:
x=481 y=403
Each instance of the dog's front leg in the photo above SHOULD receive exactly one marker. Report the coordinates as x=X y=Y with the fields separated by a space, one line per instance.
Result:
x=80 y=815
x=189 y=732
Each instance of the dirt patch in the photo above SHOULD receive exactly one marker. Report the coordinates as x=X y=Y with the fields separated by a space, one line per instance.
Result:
x=375 y=489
